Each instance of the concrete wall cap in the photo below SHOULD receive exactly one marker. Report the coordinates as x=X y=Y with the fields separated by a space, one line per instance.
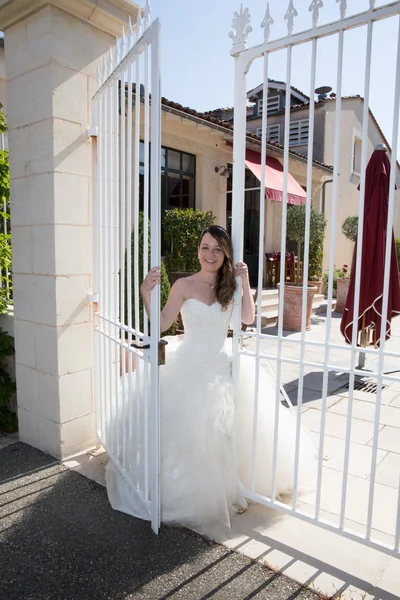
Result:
x=108 y=15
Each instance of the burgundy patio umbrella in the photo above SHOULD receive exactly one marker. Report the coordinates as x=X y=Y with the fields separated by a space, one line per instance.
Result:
x=373 y=257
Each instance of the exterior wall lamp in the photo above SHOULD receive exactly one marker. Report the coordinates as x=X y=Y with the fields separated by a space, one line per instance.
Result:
x=223 y=171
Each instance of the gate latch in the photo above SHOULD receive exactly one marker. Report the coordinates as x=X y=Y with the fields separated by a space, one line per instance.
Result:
x=161 y=350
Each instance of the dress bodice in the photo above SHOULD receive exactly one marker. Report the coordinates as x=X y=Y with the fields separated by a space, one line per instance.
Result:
x=205 y=327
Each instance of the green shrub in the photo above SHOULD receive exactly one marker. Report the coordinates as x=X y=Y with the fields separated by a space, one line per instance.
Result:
x=8 y=419
x=5 y=238
x=295 y=231
x=398 y=251
x=165 y=285
x=182 y=229
x=338 y=273
x=350 y=228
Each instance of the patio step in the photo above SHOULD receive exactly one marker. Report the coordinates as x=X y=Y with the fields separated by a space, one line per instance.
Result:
x=270 y=306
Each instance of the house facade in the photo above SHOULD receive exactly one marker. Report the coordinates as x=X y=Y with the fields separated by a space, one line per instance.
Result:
x=204 y=144
x=323 y=149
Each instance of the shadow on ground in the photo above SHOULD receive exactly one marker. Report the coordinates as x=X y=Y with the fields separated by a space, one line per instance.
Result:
x=60 y=539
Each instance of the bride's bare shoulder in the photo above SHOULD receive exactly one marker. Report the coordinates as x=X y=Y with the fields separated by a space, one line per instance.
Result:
x=186 y=284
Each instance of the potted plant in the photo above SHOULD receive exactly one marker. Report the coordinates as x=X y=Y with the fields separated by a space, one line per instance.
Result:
x=182 y=228
x=316 y=249
x=342 y=277
x=350 y=231
x=295 y=230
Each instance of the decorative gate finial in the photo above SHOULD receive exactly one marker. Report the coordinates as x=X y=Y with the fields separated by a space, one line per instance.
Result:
x=110 y=60
x=291 y=13
x=343 y=8
x=117 y=51
x=266 y=23
x=124 y=43
x=130 y=33
x=372 y=4
x=105 y=75
x=241 y=26
x=138 y=26
x=314 y=8
x=147 y=12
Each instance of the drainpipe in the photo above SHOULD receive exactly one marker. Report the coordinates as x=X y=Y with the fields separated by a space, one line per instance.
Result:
x=323 y=193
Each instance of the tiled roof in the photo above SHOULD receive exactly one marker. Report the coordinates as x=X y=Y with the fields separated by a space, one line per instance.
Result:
x=228 y=127
x=214 y=110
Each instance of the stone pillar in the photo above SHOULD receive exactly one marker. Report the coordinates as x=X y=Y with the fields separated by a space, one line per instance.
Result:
x=51 y=53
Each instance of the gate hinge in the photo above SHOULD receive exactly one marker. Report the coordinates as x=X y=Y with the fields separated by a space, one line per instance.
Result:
x=92 y=132
x=93 y=297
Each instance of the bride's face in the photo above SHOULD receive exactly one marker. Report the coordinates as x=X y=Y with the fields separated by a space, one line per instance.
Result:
x=210 y=253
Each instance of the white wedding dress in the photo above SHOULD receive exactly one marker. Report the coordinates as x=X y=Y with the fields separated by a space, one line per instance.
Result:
x=207 y=429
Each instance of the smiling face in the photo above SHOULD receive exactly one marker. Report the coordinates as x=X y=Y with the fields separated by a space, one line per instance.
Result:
x=210 y=253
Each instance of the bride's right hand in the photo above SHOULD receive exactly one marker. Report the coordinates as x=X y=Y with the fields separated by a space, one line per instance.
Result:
x=152 y=279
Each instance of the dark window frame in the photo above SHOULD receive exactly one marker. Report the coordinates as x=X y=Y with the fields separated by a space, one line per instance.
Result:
x=182 y=173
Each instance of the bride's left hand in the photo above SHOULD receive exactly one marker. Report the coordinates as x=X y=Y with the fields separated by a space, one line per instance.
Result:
x=242 y=271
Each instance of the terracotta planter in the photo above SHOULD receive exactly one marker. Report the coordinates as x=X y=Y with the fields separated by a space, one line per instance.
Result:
x=317 y=284
x=342 y=289
x=292 y=306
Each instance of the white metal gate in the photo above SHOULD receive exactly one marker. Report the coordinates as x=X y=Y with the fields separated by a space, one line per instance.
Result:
x=127 y=108
x=244 y=59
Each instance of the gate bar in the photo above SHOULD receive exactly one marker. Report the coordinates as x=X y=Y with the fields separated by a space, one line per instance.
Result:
x=353 y=355
x=335 y=190
x=117 y=330
x=386 y=279
x=155 y=257
x=305 y=269
x=282 y=265
x=260 y=266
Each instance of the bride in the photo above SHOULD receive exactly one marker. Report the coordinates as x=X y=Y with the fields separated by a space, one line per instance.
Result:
x=206 y=422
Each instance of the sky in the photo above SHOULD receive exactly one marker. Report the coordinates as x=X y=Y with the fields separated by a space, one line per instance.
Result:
x=197 y=68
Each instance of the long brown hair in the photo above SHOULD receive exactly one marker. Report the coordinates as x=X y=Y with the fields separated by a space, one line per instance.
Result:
x=226 y=283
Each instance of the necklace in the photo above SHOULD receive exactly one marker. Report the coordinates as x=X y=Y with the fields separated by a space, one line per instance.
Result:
x=212 y=286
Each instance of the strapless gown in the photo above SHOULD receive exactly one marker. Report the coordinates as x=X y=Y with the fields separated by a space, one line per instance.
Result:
x=206 y=425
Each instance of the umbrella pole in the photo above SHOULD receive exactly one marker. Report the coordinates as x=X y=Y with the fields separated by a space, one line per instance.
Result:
x=363 y=344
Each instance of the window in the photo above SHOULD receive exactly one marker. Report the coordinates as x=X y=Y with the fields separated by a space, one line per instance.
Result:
x=298 y=133
x=178 y=170
x=177 y=179
x=356 y=163
x=272 y=105
x=273 y=133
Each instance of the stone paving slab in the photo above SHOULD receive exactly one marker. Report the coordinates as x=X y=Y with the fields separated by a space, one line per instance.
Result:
x=385 y=500
x=388 y=396
x=61 y=540
x=395 y=402
x=335 y=425
x=388 y=470
x=365 y=411
x=389 y=439
x=359 y=458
